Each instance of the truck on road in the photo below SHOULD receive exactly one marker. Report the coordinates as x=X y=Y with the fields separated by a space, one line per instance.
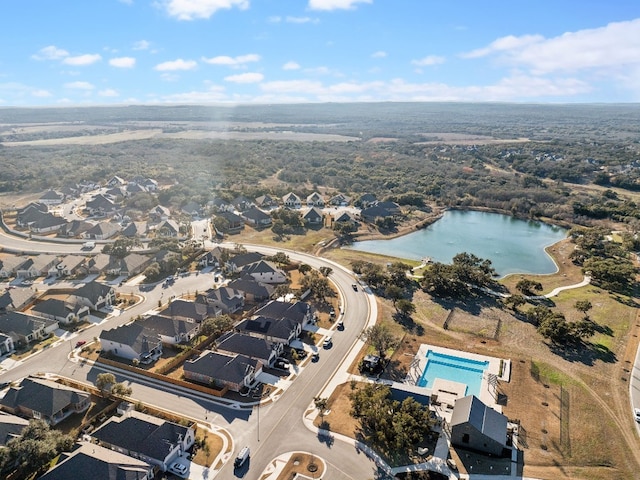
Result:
x=88 y=245
x=242 y=457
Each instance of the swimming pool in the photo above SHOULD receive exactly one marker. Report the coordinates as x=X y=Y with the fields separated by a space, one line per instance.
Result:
x=455 y=369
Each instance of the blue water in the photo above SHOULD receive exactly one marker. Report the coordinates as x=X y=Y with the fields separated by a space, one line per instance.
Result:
x=456 y=369
x=512 y=245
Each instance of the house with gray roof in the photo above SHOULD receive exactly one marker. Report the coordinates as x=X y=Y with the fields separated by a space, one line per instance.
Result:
x=89 y=461
x=97 y=263
x=8 y=265
x=11 y=427
x=31 y=213
x=252 y=347
x=235 y=222
x=74 y=228
x=191 y=311
x=95 y=295
x=193 y=209
x=132 y=341
x=60 y=311
x=47 y=223
x=156 y=441
x=135 y=229
x=24 y=329
x=254 y=291
x=233 y=372
x=209 y=259
x=68 y=265
x=226 y=299
x=300 y=312
x=265 y=201
x=476 y=426
x=13 y=299
x=256 y=217
x=313 y=216
x=339 y=200
x=265 y=272
x=51 y=197
x=291 y=200
x=44 y=399
x=102 y=231
x=132 y=264
x=159 y=213
x=168 y=228
x=170 y=330
x=235 y=263
x=241 y=203
x=100 y=205
x=36 y=265
x=275 y=330
x=6 y=344
x=315 y=200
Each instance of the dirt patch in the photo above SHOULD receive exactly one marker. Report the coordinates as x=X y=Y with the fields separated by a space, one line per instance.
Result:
x=304 y=464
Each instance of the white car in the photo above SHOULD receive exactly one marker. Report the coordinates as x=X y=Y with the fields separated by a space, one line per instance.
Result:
x=179 y=468
x=636 y=413
x=327 y=342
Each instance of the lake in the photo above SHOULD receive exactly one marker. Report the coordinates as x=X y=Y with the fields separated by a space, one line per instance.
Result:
x=512 y=245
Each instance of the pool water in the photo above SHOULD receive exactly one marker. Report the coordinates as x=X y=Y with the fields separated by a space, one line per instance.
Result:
x=455 y=369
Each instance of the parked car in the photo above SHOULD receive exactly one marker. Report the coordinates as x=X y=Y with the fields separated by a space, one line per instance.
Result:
x=179 y=468
x=282 y=364
x=327 y=342
x=636 y=412
x=355 y=287
x=80 y=343
x=332 y=313
x=340 y=325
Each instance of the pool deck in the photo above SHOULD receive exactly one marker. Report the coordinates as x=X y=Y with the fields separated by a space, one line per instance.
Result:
x=447 y=390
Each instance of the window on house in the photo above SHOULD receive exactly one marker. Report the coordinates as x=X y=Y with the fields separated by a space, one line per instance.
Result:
x=465 y=438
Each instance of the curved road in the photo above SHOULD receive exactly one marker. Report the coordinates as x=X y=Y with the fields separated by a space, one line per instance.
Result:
x=269 y=430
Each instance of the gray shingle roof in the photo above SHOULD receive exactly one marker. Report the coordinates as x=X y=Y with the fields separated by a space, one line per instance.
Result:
x=252 y=347
x=232 y=369
x=470 y=409
x=44 y=396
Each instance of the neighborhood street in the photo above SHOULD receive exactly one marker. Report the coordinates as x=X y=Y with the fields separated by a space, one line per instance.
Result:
x=270 y=430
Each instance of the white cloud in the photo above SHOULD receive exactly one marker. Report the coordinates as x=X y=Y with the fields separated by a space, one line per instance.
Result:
x=215 y=93
x=232 y=61
x=379 y=54
x=274 y=19
x=50 y=53
x=614 y=46
x=108 y=92
x=41 y=93
x=141 y=45
x=427 y=61
x=335 y=4
x=291 y=66
x=79 y=85
x=301 y=20
x=249 y=77
x=82 y=60
x=194 y=9
x=122 y=62
x=178 y=64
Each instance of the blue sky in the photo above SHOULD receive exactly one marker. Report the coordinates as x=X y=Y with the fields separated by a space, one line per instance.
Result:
x=79 y=52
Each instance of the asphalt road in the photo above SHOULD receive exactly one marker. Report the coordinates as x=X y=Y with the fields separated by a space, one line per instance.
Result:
x=269 y=431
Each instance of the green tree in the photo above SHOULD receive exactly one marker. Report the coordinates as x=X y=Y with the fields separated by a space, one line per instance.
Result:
x=304 y=268
x=527 y=286
x=104 y=381
x=380 y=337
x=515 y=301
x=326 y=271
x=394 y=293
x=217 y=325
x=321 y=405
x=583 y=306
x=405 y=307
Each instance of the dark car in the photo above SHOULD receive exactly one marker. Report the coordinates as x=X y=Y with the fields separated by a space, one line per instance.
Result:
x=355 y=287
x=80 y=343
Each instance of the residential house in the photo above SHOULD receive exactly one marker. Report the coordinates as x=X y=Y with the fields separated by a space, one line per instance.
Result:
x=44 y=399
x=265 y=272
x=256 y=217
x=51 y=197
x=37 y=265
x=234 y=264
x=116 y=181
x=133 y=342
x=300 y=312
x=170 y=330
x=135 y=230
x=380 y=210
x=365 y=200
x=11 y=426
x=102 y=231
x=252 y=347
x=339 y=200
x=6 y=344
x=315 y=200
x=254 y=292
x=74 y=228
x=219 y=205
x=291 y=200
x=96 y=264
x=313 y=216
x=159 y=213
x=210 y=259
x=131 y=265
x=234 y=372
x=89 y=461
x=148 y=183
x=193 y=209
x=476 y=426
x=167 y=259
x=60 y=311
x=68 y=265
x=275 y=330
x=95 y=295
x=190 y=311
x=100 y=205
x=29 y=214
x=117 y=192
x=32 y=206
x=235 y=222
x=241 y=203
x=225 y=299
x=265 y=201
x=47 y=223
x=24 y=329
x=12 y=299
x=168 y=228
x=344 y=217
x=8 y=265
x=151 y=439
x=134 y=188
